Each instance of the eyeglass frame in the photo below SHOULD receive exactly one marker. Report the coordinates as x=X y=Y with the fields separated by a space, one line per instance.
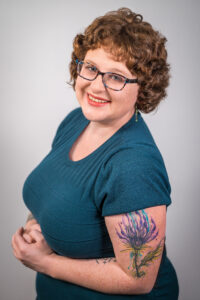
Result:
x=127 y=80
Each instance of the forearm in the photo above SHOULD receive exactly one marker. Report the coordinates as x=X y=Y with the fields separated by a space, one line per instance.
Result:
x=103 y=275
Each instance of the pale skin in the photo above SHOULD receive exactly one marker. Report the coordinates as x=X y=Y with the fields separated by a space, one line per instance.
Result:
x=106 y=120
x=111 y=277
x=105 y=275
x=31 y=224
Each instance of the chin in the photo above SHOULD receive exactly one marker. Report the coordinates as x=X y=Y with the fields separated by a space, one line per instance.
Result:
x=91 y=115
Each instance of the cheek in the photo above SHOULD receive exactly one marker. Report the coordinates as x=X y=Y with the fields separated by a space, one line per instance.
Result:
x=131 y=95
x=77 y=84
x=80 y=86
x=81 y=90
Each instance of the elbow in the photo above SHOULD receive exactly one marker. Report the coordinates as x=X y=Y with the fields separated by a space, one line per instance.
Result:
x=146 y=289
x=140 y=287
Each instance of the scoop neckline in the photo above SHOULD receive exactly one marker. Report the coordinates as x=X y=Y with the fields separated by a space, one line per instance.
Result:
x=93 y=153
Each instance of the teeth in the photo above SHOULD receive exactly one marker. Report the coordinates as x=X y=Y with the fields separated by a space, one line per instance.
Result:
x=97 y=100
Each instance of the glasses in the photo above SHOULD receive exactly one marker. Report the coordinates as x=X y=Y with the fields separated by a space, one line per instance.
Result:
x=110 y=80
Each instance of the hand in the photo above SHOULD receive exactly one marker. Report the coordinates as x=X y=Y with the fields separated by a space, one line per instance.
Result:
x=34 y=255
x=30 y=225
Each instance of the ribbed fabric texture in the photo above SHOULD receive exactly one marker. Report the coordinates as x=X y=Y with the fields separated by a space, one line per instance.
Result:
x=70 y=199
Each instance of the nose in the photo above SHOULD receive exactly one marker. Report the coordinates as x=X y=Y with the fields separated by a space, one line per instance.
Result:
x=97 y=84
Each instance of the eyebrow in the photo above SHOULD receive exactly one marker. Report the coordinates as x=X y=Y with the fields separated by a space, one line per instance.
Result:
x=113 y=70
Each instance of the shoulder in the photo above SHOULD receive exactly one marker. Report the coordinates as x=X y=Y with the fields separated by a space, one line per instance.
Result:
x=136 y=152
x=133 y=175
x=137 y=161
x=133 y=178
x=68 y=125
x=71 y=117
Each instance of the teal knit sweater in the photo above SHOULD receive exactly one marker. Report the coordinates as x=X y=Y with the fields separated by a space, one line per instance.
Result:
x=69 y=199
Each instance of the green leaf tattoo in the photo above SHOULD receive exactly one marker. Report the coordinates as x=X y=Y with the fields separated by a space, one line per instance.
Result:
x=136 y=230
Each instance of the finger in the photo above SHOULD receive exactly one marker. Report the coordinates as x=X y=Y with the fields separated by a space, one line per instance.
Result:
x=32 y=227
x=28 y=238
x=15 y=249
x=13 y=243
x=36 y=227
x=19 y=241
x=15 y=253
x=36 y=235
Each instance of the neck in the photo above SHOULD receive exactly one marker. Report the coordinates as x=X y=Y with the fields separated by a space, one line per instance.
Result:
x=107 y=129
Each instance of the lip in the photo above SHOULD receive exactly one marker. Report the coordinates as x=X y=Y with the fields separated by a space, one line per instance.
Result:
x=99 y=98
x=97 y=104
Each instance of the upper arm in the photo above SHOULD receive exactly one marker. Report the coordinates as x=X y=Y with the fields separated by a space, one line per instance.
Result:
x=138 y=238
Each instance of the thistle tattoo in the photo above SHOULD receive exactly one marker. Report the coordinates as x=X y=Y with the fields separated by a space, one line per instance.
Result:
x=136 y=230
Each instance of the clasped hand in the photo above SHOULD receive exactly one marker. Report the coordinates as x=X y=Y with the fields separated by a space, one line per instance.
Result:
x=30 y=247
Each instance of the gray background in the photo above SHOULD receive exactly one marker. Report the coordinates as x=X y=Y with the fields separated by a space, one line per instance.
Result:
x=36 y=44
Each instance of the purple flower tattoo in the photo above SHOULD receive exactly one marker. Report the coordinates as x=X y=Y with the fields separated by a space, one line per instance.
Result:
x=136 y=230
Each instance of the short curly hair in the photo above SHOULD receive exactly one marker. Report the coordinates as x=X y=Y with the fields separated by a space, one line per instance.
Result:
x=129 y=39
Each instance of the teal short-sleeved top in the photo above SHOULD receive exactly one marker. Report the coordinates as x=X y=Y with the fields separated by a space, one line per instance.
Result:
x=69 y=199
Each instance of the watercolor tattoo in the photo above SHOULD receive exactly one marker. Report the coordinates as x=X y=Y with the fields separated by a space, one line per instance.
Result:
x=136 y=231
x=105 y=260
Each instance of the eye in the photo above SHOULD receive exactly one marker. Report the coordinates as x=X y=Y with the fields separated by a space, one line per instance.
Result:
x=90 y=68
x=115 y=77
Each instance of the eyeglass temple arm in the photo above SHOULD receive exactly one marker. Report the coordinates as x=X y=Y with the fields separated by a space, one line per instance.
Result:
x=132 y=80
x=78 y=61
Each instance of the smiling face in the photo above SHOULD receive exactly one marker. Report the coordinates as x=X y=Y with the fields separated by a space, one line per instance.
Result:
x=101 y=104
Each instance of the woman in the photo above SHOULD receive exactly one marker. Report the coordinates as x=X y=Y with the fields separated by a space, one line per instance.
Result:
x=98 y=199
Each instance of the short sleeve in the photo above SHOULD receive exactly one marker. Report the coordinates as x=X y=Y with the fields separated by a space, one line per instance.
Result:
x=133 y=179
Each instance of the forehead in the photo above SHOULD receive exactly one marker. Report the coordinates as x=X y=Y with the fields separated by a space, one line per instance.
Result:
x=105 y=61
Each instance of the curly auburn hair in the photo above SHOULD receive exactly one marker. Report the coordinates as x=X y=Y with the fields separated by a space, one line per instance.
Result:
x=129 y=39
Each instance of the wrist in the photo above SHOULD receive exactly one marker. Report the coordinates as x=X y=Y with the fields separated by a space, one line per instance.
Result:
x=50 y=262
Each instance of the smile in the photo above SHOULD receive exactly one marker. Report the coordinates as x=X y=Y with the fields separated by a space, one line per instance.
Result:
x=97 y=100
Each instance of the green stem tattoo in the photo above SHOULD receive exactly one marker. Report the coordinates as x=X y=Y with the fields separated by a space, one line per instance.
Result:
x=136 y=231
x=136 y=266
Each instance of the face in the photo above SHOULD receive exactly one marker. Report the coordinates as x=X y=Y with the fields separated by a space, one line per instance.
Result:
x=119 y=105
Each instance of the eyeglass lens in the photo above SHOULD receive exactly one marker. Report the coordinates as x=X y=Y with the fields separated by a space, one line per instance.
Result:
x=111 y=80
